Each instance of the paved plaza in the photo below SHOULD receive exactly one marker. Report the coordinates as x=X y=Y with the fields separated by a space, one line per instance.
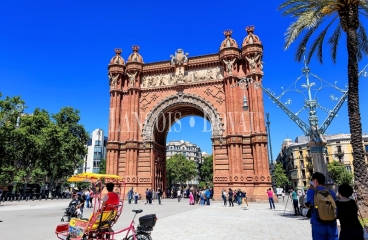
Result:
x=179 y=221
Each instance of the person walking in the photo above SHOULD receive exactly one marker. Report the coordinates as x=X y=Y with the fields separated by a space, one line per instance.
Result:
x=130 y=195
x=136 y=196
x=147 y=198
x=208 y=196
x=87 y=194
x=178 y=195
x=283 y=196
x=239 y=195
x=159 y=195
x=347 y=213
x=230 y=198
x=244 y=200
x=91 y=195
x=321 y=230
x=224 y=196
x=270 y=198
x=294 y=196
x=191 y=198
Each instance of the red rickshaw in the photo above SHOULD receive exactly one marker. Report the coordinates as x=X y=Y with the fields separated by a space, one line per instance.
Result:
x=99 y=224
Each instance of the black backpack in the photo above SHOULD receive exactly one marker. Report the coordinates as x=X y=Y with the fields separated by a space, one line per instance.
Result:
x=231 y=194
x=149 y=194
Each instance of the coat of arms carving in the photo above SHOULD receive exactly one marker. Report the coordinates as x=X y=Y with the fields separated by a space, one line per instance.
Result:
x=180 y=58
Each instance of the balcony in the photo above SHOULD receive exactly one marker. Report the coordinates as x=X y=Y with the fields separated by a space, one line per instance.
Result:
x=309 y=157
x=310 y=166
x=339 y=154
x=302 y=166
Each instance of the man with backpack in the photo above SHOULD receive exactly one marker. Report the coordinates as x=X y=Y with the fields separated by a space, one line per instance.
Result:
x=323 y=215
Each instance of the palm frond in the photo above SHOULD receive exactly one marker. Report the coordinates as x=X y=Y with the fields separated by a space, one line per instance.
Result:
x=290 y=3
x=319 y=43
x=303 y=44
x=363 y=8
x=334 y=42
x=308 y=19
x=362 y=42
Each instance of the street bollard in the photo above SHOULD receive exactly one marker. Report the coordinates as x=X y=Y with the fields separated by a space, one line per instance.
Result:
x=26 y=198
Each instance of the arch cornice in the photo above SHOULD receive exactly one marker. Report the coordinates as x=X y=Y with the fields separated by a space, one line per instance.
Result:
x=209 y=111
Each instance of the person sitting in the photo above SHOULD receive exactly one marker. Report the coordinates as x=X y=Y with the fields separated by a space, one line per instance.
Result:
x=111 y=199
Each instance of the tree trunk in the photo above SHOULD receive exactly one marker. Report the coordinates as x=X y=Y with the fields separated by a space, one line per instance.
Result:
x=350 y=24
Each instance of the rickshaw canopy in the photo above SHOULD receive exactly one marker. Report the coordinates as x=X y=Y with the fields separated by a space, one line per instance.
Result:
x=91 y=177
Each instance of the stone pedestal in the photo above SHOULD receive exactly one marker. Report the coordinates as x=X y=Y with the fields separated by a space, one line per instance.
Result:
x=318 y=158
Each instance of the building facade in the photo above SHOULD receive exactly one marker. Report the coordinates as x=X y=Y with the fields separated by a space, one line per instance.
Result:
x=297 y=160
x=189 y=150
x=96 y=146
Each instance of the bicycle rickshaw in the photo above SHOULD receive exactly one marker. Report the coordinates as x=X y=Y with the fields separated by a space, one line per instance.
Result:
x=99 y=224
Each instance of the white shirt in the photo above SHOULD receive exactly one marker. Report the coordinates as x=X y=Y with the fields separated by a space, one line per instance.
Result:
x=179 y=193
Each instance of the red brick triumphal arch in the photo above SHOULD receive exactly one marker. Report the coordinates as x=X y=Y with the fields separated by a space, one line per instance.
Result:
x=147 y=98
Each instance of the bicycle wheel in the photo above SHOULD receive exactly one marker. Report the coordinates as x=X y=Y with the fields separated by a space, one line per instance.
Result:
x=141 y=236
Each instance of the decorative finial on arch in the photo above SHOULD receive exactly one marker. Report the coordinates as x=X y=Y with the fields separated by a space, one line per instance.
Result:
x=250 y=29
x=228 y=33
x=135 y=48
x=118 y=51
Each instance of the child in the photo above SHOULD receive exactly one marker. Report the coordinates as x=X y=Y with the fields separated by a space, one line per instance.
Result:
x=136 y=197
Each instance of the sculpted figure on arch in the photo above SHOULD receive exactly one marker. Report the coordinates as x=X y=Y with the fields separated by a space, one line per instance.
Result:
x=229 y=65
x=113 y=79
x=131 y=78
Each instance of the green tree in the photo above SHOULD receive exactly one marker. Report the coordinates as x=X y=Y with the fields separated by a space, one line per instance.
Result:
x=63 y=144
x=312 y=14
x=179 y=169
x=8 y=151
x=339 y=173
x=279 y=175
x=102 y=166
x=206 y=169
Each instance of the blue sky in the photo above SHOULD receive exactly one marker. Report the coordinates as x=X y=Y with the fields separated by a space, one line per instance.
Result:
x=55 y=54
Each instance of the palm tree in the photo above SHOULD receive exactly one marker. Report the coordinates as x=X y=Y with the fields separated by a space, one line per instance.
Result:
x=313 y=14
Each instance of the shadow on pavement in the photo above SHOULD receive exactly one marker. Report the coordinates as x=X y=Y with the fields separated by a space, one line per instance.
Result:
x=291 y=215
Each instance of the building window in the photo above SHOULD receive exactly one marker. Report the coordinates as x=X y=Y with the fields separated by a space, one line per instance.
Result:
x=366 y=148
x=348 y=168
x=98 y=149
x=97 y=143
x=327 y=160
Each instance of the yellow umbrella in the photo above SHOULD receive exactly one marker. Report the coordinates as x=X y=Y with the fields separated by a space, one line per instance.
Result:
x=91 y=177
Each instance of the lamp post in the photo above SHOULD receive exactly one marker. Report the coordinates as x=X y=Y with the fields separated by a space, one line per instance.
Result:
x=85 y=164
x=309 y=90
x=269 y=136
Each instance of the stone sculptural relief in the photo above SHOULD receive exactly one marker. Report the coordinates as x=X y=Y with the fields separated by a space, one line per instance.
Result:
x=193 y=76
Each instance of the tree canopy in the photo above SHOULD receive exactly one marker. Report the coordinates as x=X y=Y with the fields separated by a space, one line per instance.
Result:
x=339 y=173
x=279 y=175
x=206 y=170
x=102 y=166
x=43 y=146
x=179 y=169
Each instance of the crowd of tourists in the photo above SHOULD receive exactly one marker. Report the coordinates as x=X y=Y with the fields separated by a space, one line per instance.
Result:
x=230 y=197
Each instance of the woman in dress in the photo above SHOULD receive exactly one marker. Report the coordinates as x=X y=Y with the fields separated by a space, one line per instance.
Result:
x=347 y=213
x=191 y=198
